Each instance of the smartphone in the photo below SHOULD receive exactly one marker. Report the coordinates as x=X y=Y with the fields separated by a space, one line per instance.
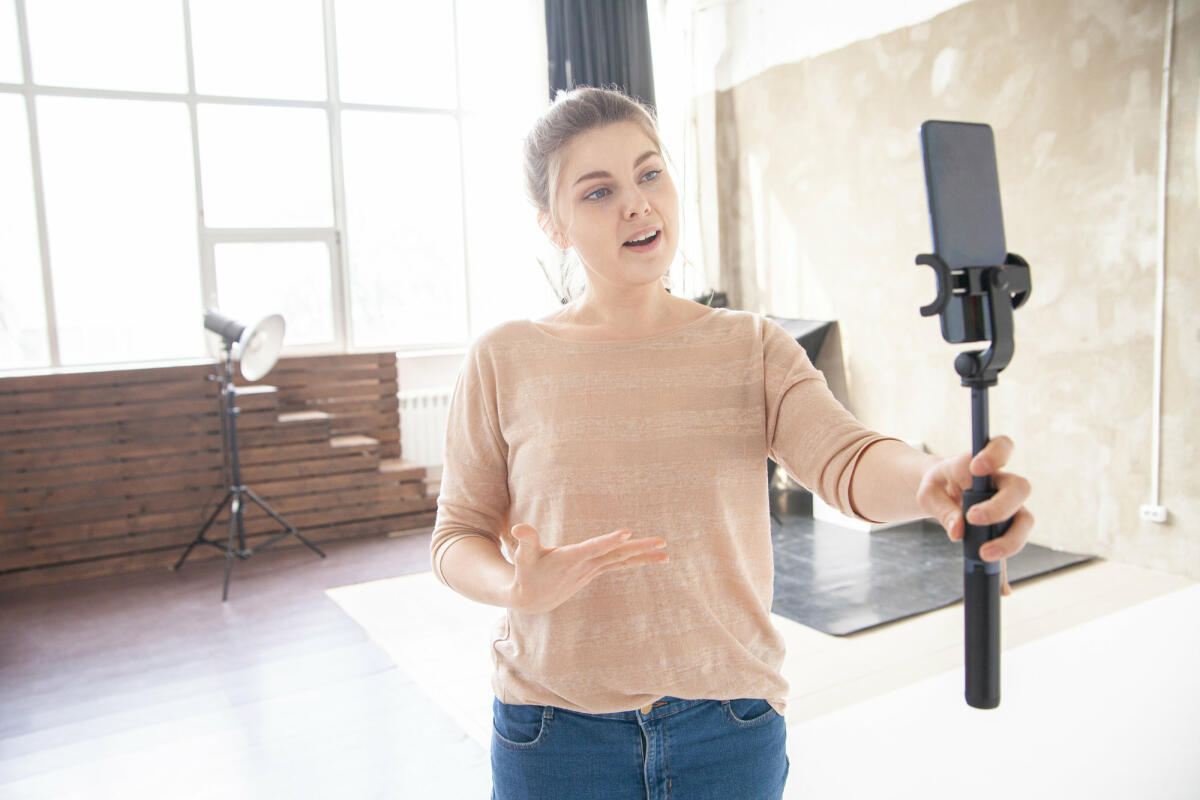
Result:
x=963 y=186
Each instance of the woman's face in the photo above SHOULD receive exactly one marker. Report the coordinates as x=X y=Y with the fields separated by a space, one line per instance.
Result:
x=616 y=204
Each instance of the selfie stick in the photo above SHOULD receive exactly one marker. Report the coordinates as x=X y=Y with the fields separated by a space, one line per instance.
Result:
x=980 y=299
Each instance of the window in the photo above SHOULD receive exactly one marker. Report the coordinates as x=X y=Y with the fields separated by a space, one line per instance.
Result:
x=10 y=50
x=129 y=45
x=120 y=214
x=353 y=165
x=23 y=334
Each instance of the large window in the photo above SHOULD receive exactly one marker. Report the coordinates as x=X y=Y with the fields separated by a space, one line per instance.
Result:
x=351 y=164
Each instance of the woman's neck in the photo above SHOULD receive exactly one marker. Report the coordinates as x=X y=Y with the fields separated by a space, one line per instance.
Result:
x=628 y=314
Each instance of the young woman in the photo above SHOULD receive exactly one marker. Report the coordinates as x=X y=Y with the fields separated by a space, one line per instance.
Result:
x=617 y=451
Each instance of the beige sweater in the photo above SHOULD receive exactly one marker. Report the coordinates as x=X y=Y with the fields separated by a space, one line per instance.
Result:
x=667 y=436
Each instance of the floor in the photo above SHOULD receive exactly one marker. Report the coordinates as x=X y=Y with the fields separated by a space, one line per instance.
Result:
x=335 y=678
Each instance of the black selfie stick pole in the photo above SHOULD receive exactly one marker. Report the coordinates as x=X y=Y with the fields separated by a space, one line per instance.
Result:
x=987 y=295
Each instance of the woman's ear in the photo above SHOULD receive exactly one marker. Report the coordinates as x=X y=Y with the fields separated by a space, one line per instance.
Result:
x=553 y=233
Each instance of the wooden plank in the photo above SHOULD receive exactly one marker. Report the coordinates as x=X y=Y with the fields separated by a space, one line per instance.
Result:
x=118 y=505
x=276 y=454
x=256 y=419
x=60 y=418
x=356 y=440
x=257 y=398
x=338 y=504
x=350 y=407
x=331 y=378
x=257 y=529
x=112 y=431
x=388 y=433
x=363 y=423
x=98 y=376
x=108 y=507
x=113 y=470
x=110 y=451
x=165 y=558
x=260 y=473
x=257 y=521
x=295 y=417
x=29 y=543
x=316 y=431
x=341 y=498
x=331 y=361
x=90 y=396
x=87 y=492
x=296 y=396
x=346 y=480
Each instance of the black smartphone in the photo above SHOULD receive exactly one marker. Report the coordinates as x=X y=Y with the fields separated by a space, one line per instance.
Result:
x=963 y=186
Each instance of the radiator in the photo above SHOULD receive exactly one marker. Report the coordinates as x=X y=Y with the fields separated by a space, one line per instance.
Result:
x=423 y=415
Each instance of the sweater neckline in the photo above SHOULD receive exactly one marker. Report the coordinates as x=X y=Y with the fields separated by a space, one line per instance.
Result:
x=682 y=326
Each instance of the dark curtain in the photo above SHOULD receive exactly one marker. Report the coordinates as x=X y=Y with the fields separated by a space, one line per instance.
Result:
x=600 y=43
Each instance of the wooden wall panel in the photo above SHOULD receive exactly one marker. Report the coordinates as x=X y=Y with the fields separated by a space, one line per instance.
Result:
x=110 y=471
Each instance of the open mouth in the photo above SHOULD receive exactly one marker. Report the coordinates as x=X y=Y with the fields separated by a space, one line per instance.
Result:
x=649 y=238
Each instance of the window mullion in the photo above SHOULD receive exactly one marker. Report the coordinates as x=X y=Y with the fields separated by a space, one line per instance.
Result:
x=208 y=274
x=343 y=327
x=39 y=195
x=462 y=165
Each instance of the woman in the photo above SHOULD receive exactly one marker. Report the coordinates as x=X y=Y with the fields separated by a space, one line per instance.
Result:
x=641 y=661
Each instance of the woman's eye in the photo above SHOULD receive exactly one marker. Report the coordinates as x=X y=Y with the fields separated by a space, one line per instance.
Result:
x=651 y=175
x=597 y=194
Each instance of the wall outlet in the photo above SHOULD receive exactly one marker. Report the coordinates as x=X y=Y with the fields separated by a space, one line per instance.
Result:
x=1152 y=513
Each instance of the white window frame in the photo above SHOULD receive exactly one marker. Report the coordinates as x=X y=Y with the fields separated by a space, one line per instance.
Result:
x=329 y=236
x=208 y=238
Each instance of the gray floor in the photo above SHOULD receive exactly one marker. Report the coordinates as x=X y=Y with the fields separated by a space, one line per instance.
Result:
x=841 y=581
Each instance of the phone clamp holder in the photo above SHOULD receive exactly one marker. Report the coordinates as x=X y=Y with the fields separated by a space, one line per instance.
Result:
x=975 y=304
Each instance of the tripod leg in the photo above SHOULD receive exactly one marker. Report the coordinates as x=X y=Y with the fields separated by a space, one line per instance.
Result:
x=235 y=515
x=262 y=504
x=200 y=535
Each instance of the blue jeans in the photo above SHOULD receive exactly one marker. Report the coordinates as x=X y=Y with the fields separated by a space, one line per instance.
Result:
x=682 y=749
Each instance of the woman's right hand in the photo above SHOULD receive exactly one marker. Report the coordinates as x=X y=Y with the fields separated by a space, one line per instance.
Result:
x=546 y=577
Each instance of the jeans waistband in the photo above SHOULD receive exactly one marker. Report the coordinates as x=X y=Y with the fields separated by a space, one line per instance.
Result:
x=662 y=707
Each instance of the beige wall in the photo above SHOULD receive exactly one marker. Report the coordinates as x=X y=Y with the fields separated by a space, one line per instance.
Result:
x=812 y=205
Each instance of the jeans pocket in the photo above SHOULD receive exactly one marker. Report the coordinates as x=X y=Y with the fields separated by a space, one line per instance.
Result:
x=519 y=727
x=747 y=712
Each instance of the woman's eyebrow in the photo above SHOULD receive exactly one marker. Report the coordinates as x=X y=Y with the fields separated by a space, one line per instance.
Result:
x=603 y=174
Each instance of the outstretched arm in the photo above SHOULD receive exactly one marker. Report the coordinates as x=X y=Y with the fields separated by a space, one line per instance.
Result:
x=893 y=481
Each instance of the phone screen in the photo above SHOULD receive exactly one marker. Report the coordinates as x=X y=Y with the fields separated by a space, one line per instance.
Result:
x=963 y=186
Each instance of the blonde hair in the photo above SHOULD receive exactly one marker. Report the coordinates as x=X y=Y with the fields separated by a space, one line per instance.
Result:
x=580 y=110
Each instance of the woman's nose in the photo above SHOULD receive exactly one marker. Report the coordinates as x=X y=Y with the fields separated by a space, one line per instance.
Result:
x=637 y=206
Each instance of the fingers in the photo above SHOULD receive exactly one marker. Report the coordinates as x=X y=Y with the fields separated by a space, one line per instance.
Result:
x=527 y=540
x=1013 y=539
x=617 y=546
x=941 y=497
x=1011 y=493
x=636 y=559
x=993 y=456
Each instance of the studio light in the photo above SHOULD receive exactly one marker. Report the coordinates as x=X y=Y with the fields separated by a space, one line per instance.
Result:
x=257 y=349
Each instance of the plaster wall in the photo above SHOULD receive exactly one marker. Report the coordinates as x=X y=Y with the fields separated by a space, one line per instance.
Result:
x=811 y=203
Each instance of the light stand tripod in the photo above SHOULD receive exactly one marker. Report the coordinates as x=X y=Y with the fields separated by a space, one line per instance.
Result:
x=978 y=286
x=237 y=491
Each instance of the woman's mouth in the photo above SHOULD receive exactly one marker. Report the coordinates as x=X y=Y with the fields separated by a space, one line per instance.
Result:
x=644 y=242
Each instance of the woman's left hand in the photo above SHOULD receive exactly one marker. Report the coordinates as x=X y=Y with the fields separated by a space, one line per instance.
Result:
x=940 y=494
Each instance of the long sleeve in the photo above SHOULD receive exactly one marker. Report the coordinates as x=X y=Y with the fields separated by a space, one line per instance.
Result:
x=474 y=497
x=809 y=433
